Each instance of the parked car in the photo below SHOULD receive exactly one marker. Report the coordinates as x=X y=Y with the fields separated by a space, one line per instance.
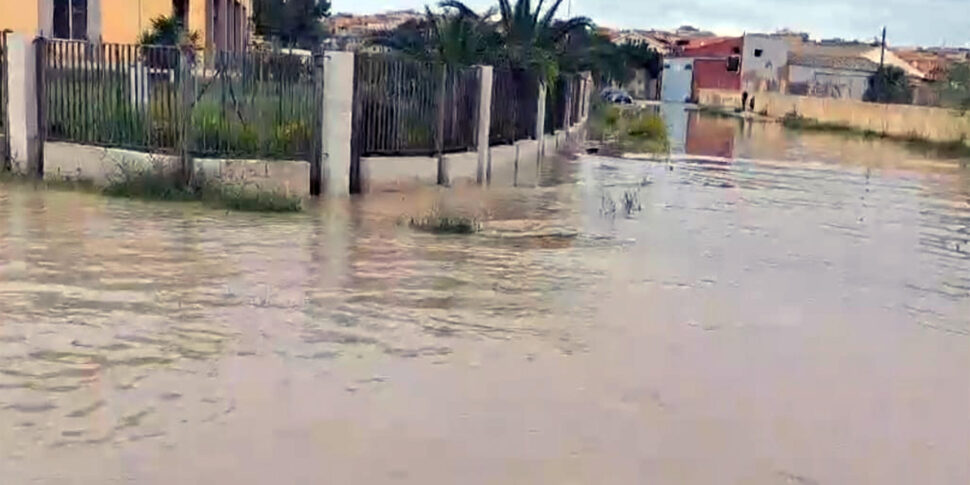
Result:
x=614 y=95
x=621 y=98
x=607 y=93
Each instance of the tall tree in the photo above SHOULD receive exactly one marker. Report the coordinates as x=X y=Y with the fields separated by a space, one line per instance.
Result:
x=456 y=36
x=533 y=38
x=291 y=22
x=889 y=85
x=955 y=89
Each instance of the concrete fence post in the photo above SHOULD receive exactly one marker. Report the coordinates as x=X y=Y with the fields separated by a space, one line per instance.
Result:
x=567 y=121
x=485 y=74
x=338 y=116
x=22 y=105
x=541 y=120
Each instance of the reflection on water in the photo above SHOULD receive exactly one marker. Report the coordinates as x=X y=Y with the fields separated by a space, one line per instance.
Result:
x=783 y=308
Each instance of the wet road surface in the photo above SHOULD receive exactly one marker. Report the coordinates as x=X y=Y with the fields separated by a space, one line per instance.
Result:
x=763 y=307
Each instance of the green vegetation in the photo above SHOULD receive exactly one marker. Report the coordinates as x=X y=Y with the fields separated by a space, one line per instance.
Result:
x=438 y=223
x=251 y=199
x=168 y=31
x=889 y=85
x=628 y=129
x=519 y=36
x=948 y=149
x=955 y=90
x=160 y=184
x=292 y=23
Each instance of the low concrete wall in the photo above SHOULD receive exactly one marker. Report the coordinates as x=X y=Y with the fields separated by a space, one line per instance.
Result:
x=379 y=174
x=70 y=161
x=516 y=164
x=504 y=165
x=935 y=124
x=287 y=176
x=462 y=168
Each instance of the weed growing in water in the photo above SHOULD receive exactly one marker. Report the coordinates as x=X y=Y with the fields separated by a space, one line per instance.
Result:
x=438 y=223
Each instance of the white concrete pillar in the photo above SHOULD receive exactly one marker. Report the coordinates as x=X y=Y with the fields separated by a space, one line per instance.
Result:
x=485 y=74
x=45 y=18
x=338 y=116
x=568 y=122
x=25 y=139
x=541 y=119
x=94 y=21
x=138 y=84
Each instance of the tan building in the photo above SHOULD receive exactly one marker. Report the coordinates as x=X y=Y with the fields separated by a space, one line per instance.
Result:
x=221 y=24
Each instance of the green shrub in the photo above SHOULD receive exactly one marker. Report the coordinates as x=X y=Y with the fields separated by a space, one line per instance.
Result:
x=156 y=183
x=159 y=183
x=249 y=199
x=647 y=126
x=445 y=224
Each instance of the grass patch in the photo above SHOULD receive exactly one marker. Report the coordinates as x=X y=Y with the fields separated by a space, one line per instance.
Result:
x=438 y=223
x=629 y=128
x=947 y=149
x=246 y=199
x=159 y=184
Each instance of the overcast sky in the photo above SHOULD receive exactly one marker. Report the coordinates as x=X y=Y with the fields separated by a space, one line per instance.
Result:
x=909 y=22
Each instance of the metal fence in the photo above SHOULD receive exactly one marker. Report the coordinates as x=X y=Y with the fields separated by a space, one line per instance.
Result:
x=256 y=104
x=265 y=104
x=111 y=94
x=514 y=102
x=556 y=97
x=576 y=98
x=405 y=107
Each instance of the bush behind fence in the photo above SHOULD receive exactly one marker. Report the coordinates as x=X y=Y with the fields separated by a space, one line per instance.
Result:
x=234 y=104
x=269 y=104
x=407 y=107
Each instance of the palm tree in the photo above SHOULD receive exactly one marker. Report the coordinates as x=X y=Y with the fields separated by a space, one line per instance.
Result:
x=523 y=39
x=458 y=36
x=533 y=39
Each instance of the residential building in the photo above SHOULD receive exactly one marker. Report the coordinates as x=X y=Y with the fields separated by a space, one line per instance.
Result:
x=842 y=77
x=934 y=62
x=352 y=32
x=678 y=79
x=763 y=61
x=221 y=24
x=717 y=63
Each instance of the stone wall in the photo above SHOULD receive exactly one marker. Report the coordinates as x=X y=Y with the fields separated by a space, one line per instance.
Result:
x=934 y=124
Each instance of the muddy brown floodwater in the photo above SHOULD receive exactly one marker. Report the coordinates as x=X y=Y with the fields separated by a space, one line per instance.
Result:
x=773 y=308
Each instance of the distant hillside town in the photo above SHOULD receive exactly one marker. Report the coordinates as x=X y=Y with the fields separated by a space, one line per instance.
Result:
x=786 y=61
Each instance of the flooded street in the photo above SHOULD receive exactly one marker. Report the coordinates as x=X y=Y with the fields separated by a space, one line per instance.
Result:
x=766 y=307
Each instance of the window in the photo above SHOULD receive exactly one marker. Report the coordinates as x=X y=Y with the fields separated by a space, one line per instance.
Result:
x=666 y=66
x=734 y=64
x=758 y=52
x=688 y=67
x=71 y=19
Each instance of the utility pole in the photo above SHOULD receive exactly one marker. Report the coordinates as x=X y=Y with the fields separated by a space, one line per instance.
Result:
x=882 y=54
